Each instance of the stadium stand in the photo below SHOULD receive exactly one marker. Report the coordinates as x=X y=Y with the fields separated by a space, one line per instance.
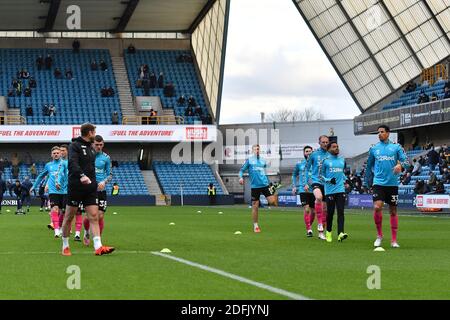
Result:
x=77 y=100
x=127 y=175
x=411 y=98
x=194 y=178
x=181 y=74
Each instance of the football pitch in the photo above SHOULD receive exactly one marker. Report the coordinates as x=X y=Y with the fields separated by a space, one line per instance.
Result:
x=209 y=261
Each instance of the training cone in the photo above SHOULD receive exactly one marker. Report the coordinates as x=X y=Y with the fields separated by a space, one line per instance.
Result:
x=220 y=212
x=114 y=212
x=166 y=250
x=172 y=224
x=379 y=249
x=199 y=211
x=238 y=232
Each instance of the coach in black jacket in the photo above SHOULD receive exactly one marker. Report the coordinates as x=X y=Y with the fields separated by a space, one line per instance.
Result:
x=82 y=188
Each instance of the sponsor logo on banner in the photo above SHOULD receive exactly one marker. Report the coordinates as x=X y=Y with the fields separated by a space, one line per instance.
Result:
x=419 y=201
x=437 y=201
x=9 y=203
x=76 y=132
x=195 y=133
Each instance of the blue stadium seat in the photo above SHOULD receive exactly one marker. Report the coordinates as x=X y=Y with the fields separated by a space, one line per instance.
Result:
x=76 y=100
x=182 y=75
x=192 y=178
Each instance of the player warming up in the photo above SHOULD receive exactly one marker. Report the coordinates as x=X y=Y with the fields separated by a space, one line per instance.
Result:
x=256 y=166
x=82 y=187
x=313 y=163
x=306 y=198
x=103 y=176
x=386 y=162
x=55 y=191
x=333 y=175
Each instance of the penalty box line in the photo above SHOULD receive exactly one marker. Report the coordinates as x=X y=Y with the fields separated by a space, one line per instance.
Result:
x=225 y=274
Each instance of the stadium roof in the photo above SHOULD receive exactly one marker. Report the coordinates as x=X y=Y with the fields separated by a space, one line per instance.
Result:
x=104 y=15
x=376 y=46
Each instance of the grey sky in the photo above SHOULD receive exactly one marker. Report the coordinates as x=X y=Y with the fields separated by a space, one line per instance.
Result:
x=274 y=61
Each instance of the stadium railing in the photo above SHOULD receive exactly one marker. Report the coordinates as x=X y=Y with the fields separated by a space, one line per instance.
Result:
x=12 y=120
x=152 y=120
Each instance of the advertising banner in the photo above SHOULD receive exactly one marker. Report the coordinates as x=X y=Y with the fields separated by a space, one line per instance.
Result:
x=360 y=201
x=111 y=133
x=435 y=201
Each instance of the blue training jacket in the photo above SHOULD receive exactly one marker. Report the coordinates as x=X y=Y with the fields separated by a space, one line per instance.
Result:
x=257 y=172
x=300 y=175
x=313 y=164
x=383 y=157
x=333 y=167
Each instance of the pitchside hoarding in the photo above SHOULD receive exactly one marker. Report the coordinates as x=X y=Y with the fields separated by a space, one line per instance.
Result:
x=152 y=133
x=406 y=117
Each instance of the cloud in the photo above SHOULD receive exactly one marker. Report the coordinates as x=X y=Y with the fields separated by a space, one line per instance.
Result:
x=273 y=60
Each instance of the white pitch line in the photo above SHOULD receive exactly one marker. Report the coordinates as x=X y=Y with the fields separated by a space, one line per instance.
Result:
x=260 y=285
x=73 y=252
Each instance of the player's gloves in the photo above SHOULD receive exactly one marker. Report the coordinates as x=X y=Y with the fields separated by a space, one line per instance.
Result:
x=333 y=181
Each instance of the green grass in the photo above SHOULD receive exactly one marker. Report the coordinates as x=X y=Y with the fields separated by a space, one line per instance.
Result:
x=281 y=256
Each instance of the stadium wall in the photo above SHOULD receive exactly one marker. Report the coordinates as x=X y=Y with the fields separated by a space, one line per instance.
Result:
x=115 y=46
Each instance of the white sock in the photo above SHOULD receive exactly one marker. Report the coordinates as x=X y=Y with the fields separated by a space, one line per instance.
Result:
x=255 y=225
x=65 y=242
x=56 y=232
x=97 y=242
x=77 y=233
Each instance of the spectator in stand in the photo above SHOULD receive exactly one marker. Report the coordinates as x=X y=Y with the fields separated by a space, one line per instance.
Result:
x=198 y=110
x=19 y=88
x=2 y=165
x=15 y=83
x=76 y=46
x=421 y=187
x=422 y=160
x=153 y=115
x=169 y=90
x=446 y=93
x=46 y=110
x=103 y=65
x=29 y=111
x=111 y=92
x=445 y=176
x=433 y=158
x=189 y=112
x=33 y=171
x=115 y=118
x=15 y=171
x=25 y=74
x=94 y=66
x=440 y=188
x=161 y=80
x=410 y=87
x=69 y=74
x=27 y=92
x=432 y=179
x=406 y=179
x=191 y=101
x=153 y=80
x=131 y=49
x=423 y=98
x=32 y=83
x=48 y=62
x=40 y=62
x=434 y=97
x=57 y=73
x=181 y=100
x=417 y=169
x=52 y=110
